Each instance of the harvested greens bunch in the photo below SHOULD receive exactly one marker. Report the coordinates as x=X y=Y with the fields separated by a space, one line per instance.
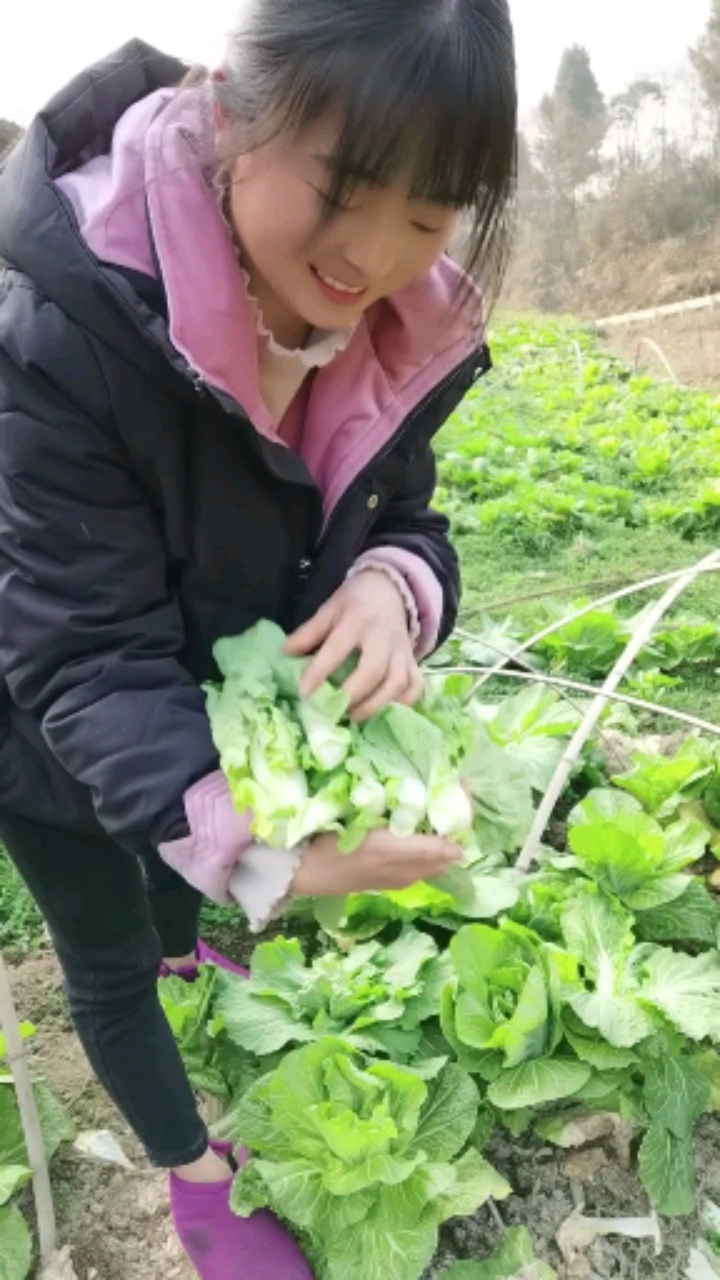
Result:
x=304 y=768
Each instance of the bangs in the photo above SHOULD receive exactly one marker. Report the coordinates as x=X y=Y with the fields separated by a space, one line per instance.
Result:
x=440 y=131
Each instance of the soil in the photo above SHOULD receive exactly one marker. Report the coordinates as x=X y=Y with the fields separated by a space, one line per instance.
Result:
x=690 y=343
x=118 y=1225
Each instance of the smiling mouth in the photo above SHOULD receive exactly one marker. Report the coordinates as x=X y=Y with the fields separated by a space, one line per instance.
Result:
x=335 y=289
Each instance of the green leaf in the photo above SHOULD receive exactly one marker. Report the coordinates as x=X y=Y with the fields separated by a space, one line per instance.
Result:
x=448 y=1117
x=474 y=1182
x=694 y=916
x=599 y=933
x=511 y=1259
x=707 y=1064
x=686 y=988
x=55 y=1123
x=658 y=782
x=26 y=1029
x=15 y=1244
x=667 y=1170
x=279 y=967
x=385 y=1244
x=601 y=1055
x=675 y=1094
x=12 y=1178
x=538 y=1081
x=258 y=1023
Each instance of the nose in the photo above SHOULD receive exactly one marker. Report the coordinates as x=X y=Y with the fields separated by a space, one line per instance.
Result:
x=373 y=252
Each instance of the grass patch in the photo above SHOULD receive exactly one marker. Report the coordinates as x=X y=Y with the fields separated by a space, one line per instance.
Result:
x=21 y=925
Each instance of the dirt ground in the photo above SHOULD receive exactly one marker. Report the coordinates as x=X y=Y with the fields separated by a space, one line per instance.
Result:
x=691 y=344
x=118 y=1225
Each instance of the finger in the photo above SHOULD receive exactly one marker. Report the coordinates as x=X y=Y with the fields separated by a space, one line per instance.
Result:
x=371 y=671
x=312 y=633
x=401 y=874
x=415 y=688
x=392 y=689
x=339 y=644
x=381 y=841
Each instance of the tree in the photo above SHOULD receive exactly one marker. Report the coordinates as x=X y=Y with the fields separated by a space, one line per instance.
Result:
x=705 y=58
x=573 y=123
x=625 y=110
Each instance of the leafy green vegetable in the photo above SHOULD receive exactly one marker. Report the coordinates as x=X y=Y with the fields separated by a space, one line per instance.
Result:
x=12 y=1178
x=629 y=854
x=363 y=1156
x=15 y=1244
x=213 y=1062
x=693 y=917
x=301 y=767
x=375 y=996
x=660 y=783
x=501 y=1004
x=55 y=1123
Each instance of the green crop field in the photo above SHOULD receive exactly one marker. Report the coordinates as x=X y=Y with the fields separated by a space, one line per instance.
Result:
x=565 y=475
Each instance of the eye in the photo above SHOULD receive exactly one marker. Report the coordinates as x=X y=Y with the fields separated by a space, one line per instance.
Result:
x=427 y=231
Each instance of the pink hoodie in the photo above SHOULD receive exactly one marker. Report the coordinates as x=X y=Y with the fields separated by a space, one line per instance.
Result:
x=148 y=201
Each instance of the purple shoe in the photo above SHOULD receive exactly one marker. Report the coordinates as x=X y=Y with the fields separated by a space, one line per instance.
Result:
x=222 y=1246
x=204 y=955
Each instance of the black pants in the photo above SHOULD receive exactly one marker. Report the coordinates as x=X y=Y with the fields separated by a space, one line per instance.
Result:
x=112 y=918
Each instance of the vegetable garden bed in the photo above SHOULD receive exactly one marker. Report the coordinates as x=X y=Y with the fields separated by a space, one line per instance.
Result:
x=414 y=1072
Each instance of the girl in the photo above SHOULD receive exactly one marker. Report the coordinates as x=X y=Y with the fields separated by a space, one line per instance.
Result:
x=228 y=332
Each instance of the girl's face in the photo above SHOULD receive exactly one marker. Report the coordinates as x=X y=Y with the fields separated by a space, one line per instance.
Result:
x=305 y=273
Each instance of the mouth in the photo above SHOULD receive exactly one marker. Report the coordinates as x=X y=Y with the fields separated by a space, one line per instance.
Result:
x=335 y=290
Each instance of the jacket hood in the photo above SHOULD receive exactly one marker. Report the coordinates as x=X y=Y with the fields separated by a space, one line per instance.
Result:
x=127 y=152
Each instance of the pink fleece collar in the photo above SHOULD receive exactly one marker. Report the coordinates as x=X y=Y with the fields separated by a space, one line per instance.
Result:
x=153 y=181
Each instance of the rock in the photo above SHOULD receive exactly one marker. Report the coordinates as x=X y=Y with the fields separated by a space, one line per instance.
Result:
x=582 y=1165
x=101 y=1144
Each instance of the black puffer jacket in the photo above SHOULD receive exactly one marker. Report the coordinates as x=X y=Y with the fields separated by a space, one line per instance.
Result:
x=140 y=518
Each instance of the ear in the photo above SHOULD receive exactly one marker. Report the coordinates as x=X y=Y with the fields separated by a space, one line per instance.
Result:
x=219 y=117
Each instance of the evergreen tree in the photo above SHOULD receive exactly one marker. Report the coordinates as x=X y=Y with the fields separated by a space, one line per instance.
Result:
x=705 y=58
x=573 y=123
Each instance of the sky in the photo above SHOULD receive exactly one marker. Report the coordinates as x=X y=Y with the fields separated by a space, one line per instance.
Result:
x=45 y=43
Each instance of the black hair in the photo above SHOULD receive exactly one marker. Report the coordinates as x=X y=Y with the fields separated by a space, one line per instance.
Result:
x=423 y=88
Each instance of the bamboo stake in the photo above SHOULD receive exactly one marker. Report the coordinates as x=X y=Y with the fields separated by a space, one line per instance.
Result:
x=559 y=682
x=657 y=349
x=561 y=589
x=637 y=587
x=17 y=1057
x=585 y=729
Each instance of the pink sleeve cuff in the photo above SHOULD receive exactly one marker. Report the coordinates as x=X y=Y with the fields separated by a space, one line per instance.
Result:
x=420 y=590
x=221 y=859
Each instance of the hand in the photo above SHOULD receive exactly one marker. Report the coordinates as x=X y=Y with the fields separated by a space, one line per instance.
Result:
x=382 y=862
x=368 y=614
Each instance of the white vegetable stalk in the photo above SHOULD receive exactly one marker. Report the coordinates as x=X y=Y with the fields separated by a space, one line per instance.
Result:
x=410 y=807
x=585 y=729
x=17 y=1058
x=450 y=811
